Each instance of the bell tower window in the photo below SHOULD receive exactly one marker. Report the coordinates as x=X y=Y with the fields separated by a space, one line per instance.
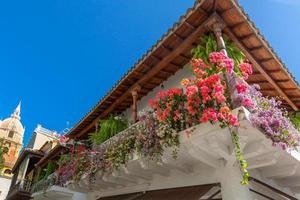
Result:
x=11 y=134
x=7 y=171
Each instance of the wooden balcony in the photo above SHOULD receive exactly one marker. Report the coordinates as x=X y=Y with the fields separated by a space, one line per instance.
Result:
x=20 y=191
x=203 y=158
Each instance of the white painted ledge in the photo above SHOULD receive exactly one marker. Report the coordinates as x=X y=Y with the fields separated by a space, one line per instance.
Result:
x=201 y=160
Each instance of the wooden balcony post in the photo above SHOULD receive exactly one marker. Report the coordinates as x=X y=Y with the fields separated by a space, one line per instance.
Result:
x=217 y=26
x=232 y=184
x=134 y=94
x=217 y=29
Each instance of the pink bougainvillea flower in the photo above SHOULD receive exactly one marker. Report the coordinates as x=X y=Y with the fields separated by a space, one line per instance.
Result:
x=209 y=114
x=241 y=88
x=233 y=120
x=229 y=65
x=216 y=57
x=247 y=102
x=153 y=103
x=197 y=62
x=219 y=97
x=199 y=73
x=246 y=70
x=161 y=94
x=218 y=88
x=63 y=139
x=191 y=90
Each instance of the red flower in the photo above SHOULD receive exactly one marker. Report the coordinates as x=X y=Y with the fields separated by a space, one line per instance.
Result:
x=247 y=102
x=219 y=97
x=209 y=114
x=200 y=73
x=229 y=64
x=161 y=94
x=153 y=103
x=80 y=148
x=218 y=88
x=246 y=70
x=177 y=115
x=197 y=62
x=241 y=88
x=216 y=57
x=191 y=90
x=233 y=121
x=224 y=109
x=63 y=139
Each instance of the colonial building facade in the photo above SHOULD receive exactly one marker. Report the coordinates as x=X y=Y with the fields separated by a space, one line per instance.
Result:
x=41 y=142
x=12 y=132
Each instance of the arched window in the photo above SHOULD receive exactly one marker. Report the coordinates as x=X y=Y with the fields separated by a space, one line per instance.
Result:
x=7 y=171
x=11 y=134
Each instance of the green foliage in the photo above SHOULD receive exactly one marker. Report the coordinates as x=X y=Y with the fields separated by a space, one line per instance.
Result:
x=3 y=151
x=64 y=159
x=207 y=45
x=42 y=174
x=295 y=119
x=51 y=167
x=118 y=155
x=107 y=129
x=240 y=158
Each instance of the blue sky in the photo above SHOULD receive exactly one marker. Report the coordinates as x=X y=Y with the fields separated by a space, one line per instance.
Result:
x=60 y=57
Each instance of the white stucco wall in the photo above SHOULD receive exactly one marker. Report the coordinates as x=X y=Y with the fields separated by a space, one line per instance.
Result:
x=40 y=140
x=4 y=187
x=173 y=81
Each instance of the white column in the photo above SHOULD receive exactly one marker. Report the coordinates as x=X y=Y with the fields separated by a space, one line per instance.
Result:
x=80 y=196
x=231 y=187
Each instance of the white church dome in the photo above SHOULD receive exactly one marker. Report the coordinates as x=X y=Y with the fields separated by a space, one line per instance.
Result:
x=11 y=127
x=12 y=124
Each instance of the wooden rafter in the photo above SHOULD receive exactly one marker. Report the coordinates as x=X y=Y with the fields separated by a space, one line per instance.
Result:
x=259 y=68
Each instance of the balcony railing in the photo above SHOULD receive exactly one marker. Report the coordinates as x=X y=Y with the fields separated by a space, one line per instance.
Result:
x=23 y=185
x=44 y=184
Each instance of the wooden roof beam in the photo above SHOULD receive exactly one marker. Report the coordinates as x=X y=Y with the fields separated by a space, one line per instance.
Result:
x=167 y=73
x=291 y=89
x=267 y=89
x=268 y=71
x=239 y=24
x=246 y=37
x=259 y=68
x=266 y=81
x=257 y=82
x=156 y=58
x=189 y=25
x=225 y=11
x=273 y=71
x=184 y=56
x=166 y=60
x=265 y=60
x=166 y=48
x=175 y=65
x=178 y=36
x=256 y=48
x=202 y=11
x=139 y=74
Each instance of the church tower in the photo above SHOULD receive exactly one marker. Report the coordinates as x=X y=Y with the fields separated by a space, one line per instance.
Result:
x=11 y=132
